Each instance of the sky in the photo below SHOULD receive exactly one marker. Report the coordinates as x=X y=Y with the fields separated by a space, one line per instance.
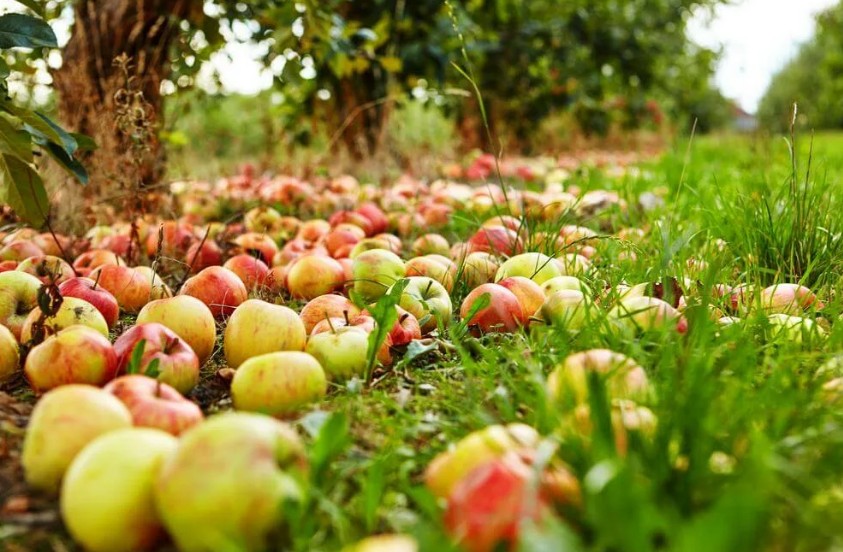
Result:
x=757 y=38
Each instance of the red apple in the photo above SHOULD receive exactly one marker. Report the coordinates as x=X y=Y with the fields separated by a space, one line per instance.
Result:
x=530 y=295
x=503 y=313
x=178 y=365
x=95 y=258
x=129 y=286
x=311 y=276
x=406 y=328
x=47 y=268
x=92 y=292
x=497 y=240
x=255 y=245
x=155 y=404
x=326 y=306
x=201 y=255
x=219 y=288
x=251 y=270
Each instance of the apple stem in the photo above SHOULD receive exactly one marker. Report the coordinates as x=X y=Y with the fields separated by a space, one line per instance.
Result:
x=403 y=317
x=158 y=388
x=429 y=284
x=97 y=280
x=347 y=321
x=331 y=324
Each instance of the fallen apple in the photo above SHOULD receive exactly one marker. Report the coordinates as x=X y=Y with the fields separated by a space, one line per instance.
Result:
x=278 y=384
x=76 y=354
x=258 y=327
x=155 y=404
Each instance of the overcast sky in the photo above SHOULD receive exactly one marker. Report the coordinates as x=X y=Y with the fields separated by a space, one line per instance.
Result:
x=758 y=37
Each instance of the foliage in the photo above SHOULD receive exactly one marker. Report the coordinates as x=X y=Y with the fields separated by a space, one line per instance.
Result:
x=812 y=79
x=23 y=130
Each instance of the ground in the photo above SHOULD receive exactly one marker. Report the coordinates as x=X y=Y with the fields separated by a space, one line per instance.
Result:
x=747 y=447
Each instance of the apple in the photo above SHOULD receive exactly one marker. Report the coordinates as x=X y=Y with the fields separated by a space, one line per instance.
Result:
x=626 y=418
x=47 y=268
x=530 y=295
x=63 y=421
x=442 y=269
x=155 y=404
x=450 y=467
x=189 y=318
x=794 y=329
x=497 y=240
x=573 y=264
x=90 y=291
x=107 y=501
x=72 y=312
x=340 y=241
x=567 y=308
x=178 y=365
x=625 y=379
x=406 y=328
x=384 y=543
x=258 y=327
x=342 y=352
x=478 y=268
x=310 y=276
x=219 y=288
x=158 y=289
x=262 y=219
x=375 y=215
x=502 y=314
x=171 y=239
x=9 y=354
x=791 y=299
x=488 y=507
x=77 y=354
x=255 y=245
x=18 y=296
x=369 y=244
x=203 y=254
x=645 y=314
x=350 y=217
x=375 y=271
x=313 y=230
x=326 y=306
x=251 y=270
x=428 y=301
x=53 y=244
x=428 y=244
x=549 y=287
x=330 y=324
x=129 y=286
x=278 y=384
x=535 y=266
x=86 y=262
x=19 y=250
x=227 y=482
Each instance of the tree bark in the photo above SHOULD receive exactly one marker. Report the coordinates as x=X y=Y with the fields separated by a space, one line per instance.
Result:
x=89 y=79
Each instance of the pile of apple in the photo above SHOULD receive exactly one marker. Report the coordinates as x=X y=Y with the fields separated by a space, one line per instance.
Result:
x=114 y=348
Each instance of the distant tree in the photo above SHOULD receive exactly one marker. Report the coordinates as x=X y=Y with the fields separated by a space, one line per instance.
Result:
x=813 y=79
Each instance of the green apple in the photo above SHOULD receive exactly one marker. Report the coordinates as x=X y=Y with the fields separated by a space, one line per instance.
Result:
x=9 y=354
x=374 y=271
x=568 y=308
x=258 y=327
x=794 y=329
x=343 y=353
x=62 y=423
x=18 y=296
x=278 y=384
x=536 y=266
x=384 y=543
x=479 y=447
x=107 y=502
x=641 y=313
x=225 y=486
x=188 y=317
x=564 y=282
x=72 y=312
x=428 y=301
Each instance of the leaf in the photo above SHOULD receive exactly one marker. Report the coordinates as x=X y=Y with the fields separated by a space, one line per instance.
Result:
x=417 y=348
x=25 y=31
x=385 y=315
x=15 y=141
x=37 y=125
x=23 y=190
x=84 y=142
x=71 y=164
x=391 y=64
x=151 y=369
x=137 y=357
x=66 y=140
x=332 y=440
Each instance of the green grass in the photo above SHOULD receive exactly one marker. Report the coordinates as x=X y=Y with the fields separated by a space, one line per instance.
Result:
x=747 y=453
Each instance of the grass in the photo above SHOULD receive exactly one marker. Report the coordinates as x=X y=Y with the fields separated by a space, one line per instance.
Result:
x=747 y=452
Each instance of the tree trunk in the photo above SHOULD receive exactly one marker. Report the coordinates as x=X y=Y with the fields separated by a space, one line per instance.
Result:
x=89 y=80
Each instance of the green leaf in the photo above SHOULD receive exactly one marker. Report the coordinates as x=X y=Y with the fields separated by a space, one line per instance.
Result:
x=71 y=164
x=151 y=369
x=385 y=315
x=84 y=142
x=23 y=190
x=137 y=357
x=36 y=124
x=332 y=440
x=15 y=141
x=25 y=31
x=65 y=139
